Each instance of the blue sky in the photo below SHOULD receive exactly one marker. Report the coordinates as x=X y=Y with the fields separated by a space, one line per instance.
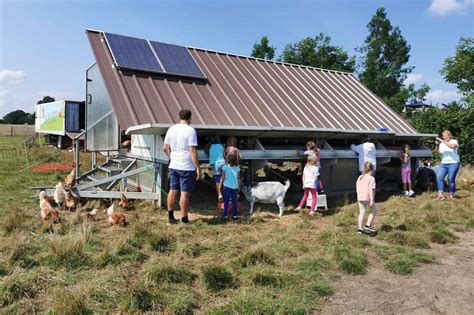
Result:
x=44 y=49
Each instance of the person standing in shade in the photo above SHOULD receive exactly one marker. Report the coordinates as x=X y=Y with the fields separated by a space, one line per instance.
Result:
x=447 y=147
x=180 y=146
x=367 y=153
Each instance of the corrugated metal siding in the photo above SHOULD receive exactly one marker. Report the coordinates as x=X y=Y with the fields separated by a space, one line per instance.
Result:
x=243 y=91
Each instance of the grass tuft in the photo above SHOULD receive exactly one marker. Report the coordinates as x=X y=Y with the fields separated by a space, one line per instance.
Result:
x=170 y=275
x=138 y=298
x=68 y=253
x=354 y=263
x=441 y=235
x=321 y=288
x=15 y=221
x=255 y=257
x=217 y=278
x=266 y=279
x=65 y=301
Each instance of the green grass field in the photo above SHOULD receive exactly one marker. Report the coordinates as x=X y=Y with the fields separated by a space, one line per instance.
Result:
x=260 y=264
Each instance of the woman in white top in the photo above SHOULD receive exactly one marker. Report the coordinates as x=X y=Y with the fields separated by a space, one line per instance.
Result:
x=448 y=148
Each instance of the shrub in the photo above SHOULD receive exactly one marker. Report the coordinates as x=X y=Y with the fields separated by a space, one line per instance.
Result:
x=253 y=258
x=217 y=278
x=170 y=275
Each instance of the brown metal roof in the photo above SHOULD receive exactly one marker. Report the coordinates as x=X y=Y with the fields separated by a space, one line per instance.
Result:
x=245 y=92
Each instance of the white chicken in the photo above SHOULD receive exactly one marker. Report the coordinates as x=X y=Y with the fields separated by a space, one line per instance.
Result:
x=59 y=194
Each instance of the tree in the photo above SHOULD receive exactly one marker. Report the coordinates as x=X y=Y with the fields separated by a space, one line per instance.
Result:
x=17 y=117
x=318 y=52
x=459 y=69
x=263 y=50
x=417 y=95
x=385 y=54
x=46 y=99
x=453 y=117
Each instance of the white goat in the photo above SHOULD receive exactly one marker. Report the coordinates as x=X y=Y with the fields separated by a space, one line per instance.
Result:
x=266 y=192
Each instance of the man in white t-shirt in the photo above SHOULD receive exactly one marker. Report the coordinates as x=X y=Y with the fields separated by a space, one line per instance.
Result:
x=367 y=153
x=181 y=147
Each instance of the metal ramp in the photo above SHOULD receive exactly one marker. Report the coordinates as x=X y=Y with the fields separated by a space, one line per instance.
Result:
x=109 y=180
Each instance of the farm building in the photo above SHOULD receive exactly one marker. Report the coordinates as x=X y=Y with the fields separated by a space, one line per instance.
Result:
x=137 y=86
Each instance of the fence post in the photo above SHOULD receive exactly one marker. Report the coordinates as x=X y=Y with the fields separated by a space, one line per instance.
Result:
x=11 y=131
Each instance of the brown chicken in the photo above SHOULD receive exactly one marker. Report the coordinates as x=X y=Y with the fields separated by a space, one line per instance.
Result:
x=70 y=180
x=115 y=218
x=124 y=202
x=138 y=189
x=127 y=145
x=70 y=201
x=47 y=211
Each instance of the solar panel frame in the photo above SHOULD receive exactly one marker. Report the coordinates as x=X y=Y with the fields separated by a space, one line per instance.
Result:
x=177 y=60
x=132 y=53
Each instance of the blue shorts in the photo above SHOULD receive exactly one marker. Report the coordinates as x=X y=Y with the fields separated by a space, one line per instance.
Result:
x=184 y=181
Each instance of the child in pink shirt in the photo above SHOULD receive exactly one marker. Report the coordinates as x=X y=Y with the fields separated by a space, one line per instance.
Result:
x=366 y=198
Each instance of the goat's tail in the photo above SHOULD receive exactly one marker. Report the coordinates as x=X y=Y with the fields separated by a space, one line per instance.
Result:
x=287 y=184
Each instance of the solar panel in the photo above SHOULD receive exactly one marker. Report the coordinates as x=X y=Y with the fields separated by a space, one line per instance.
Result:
x=132 y=53
x=177 y=60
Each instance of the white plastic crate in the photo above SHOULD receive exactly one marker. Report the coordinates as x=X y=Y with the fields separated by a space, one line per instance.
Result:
x=321 y=202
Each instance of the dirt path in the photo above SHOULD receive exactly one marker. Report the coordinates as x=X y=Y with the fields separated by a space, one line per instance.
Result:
x=443 y=288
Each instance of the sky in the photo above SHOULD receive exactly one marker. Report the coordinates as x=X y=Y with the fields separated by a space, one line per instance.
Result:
x=44 y=49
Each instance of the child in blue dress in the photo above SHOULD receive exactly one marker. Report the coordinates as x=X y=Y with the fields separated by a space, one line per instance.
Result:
x=230 y=183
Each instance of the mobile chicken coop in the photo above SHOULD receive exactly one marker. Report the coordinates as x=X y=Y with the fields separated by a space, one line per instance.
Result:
x=60 y=121
x=137 y=86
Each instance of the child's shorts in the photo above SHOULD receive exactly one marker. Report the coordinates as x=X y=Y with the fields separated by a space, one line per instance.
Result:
x=217 y=169
x=406 y=175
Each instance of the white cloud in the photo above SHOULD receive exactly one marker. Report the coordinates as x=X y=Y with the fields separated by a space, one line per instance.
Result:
x=12 y=76
x=413 y=78
x=442 y=97
x=446 y=7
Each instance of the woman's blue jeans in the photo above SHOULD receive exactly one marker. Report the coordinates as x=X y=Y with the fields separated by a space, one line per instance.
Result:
x=228 y=193
x=451 y=169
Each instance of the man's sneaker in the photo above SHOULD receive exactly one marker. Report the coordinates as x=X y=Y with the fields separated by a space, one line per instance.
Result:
x=234 y=218
x=225 y=218
x=173 y=221
x=370 y=229
x=360 y=231
x=312 y=213
x=411 y=193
